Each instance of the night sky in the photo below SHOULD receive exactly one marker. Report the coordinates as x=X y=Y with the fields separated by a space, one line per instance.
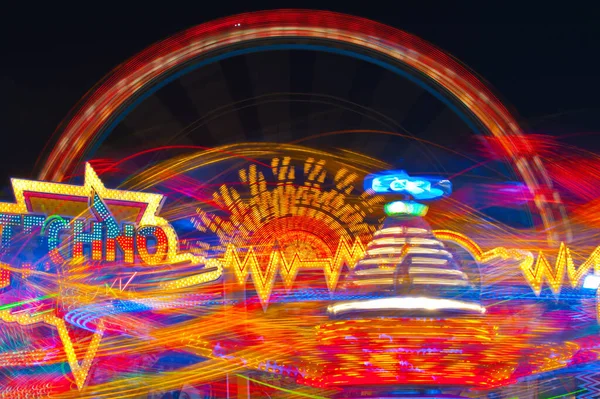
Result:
x=546 y=69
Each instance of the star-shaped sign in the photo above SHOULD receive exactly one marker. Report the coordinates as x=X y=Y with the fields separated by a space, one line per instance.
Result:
x=49 y=204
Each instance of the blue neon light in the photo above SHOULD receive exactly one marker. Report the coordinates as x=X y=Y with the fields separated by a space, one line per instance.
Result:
x=399 y=182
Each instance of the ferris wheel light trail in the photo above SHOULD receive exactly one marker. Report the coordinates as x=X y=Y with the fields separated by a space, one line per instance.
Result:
x=86 y=127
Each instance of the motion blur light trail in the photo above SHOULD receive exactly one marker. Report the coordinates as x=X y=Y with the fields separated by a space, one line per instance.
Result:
x=231 y=269
x=231 y=339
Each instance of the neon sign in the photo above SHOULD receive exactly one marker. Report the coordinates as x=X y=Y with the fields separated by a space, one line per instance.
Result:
x=399 y=182
x=74 y=224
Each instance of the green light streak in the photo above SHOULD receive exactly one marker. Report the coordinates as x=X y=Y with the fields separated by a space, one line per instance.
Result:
x=15 y=304
x=306 y=395
x=48 y=311
x=566 y=394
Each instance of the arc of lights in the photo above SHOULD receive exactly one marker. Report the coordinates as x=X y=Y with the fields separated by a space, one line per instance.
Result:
x=34 y=199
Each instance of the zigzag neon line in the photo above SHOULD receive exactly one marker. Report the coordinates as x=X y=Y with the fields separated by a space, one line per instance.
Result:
x=555 y=276
x=534 y=272
x=590 y=382
x=332 y=267
x=263 y=282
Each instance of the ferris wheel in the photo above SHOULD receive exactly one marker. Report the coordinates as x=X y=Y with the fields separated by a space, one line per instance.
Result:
x=312 y=78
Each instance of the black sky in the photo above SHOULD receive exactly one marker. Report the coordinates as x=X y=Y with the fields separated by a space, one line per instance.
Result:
x=545 y=66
